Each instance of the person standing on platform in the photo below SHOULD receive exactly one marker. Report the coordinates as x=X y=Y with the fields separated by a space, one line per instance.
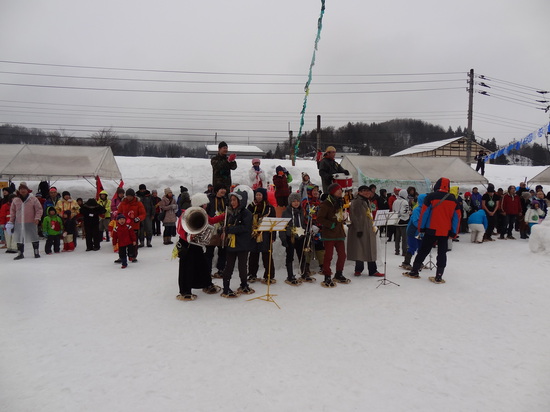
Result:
x=222 y=165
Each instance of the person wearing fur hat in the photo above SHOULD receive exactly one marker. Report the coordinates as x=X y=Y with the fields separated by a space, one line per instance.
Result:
x=91 y=211
x=238 y=232
x=293 y=238
x=261 y=241
x=193 y=269
x=66 y=203
x=25 y=215
x=222 y=165
x=256 y=175
x=328 y=167
x=134 y=210
x=170 y=207
x=331 y=217
x=362 y=246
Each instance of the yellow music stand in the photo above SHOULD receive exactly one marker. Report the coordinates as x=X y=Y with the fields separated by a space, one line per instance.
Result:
x=271 y=224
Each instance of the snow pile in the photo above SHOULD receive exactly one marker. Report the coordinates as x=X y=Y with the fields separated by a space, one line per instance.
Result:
x=539 y=240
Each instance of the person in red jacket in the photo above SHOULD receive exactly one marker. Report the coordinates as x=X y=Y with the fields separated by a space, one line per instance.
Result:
x=512 y=211
x=134 y=210
x=282 y=189
x=439 y=219
x=125 y=236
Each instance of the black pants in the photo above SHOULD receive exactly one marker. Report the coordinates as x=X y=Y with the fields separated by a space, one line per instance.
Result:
x=254 y=264
x=220 y=265
x=122 y=254
x=193 y=273
x=491 y=224
x=508 y=225
x=55 y=241
x=93 y=235
x=481 y=166
x=427 y=243
x=298 y=246
x=133 y=249
x=156 y=225
x=231 y=258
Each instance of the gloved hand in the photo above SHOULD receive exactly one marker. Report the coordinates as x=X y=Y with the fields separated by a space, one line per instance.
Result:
x=315 y=229
x=137 y=219
x=9 y=227
x=232 y=157
x=359 y=234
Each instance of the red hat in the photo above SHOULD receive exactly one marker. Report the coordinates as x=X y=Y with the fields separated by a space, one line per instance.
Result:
x=333 y=188
x=467 y=194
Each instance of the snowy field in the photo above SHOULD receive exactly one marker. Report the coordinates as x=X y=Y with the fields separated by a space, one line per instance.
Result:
x=79 y=334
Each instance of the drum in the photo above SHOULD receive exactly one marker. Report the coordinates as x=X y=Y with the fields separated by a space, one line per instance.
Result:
x=346 y=181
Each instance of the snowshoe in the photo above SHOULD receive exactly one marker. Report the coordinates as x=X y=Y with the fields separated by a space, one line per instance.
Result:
x=252 y=279
x=212 y=289
x=411 y=275
x=341 y=278
x=436 y=279
x=229 y=294
x=307 y=279
x=186 y=297
x=246 y=290
x=293 y=281
x=405 y=266
x=328 y=283
x=271 y=281
x=217 y=275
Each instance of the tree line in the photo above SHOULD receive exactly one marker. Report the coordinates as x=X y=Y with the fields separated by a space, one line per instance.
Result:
x=374 y=139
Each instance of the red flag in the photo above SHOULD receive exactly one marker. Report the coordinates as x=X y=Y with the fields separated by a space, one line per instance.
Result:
x=99 y=187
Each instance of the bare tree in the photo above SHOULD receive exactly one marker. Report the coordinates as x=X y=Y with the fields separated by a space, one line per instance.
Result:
x=106 y=137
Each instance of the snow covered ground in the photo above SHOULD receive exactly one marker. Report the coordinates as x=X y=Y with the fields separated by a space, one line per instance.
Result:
x=78 y=333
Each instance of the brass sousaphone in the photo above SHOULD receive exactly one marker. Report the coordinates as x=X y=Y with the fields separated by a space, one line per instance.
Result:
x=195 y=223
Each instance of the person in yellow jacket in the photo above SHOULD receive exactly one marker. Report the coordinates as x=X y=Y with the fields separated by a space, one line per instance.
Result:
x=105 y=219
x=66 y=203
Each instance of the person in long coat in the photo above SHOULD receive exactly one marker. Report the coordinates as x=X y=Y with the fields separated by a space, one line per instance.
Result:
x=362 y=246
x=25 y=215
x=222 y=165
x=169 y=205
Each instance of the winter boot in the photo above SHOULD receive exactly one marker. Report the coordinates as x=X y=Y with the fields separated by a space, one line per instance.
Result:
x=407 y=262
x=149 y=238
x=35 y=248
x=166 y=240
x=328 y=283
x=340 y=278
x=437 y=278
x=291 y=280
x=21 y=249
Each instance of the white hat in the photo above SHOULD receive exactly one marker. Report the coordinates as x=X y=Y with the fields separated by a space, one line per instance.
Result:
x=199 y=199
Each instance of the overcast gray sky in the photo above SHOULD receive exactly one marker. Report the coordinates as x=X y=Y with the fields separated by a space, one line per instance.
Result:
x=238 y=68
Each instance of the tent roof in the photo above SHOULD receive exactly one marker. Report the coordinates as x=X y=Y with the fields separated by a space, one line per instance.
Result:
x=412 y=168
x=427 y=147
x=542 y=178
x=41 y=162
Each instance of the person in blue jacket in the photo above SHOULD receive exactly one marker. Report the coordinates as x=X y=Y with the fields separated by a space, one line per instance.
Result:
x=412 y=234
x=477 y=222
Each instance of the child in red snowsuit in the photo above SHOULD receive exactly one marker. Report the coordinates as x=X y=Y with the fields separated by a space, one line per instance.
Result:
x=124 y=235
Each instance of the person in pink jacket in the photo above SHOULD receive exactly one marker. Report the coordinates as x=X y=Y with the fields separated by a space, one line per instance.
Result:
x=25 y=215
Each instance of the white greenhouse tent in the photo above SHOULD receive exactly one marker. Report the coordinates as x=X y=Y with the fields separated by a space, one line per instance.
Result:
x=421 y=172
x=543 y=178
x=40 y=162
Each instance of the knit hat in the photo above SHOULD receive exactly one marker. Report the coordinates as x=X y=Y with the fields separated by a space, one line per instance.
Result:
x=130 y=192
x=222 y=144
x=256 y=161
x=23 y=185
x=490 y=188
x=294 y=196
x=167 y=190
x=52 y=189
x=333 y=188
x=330 y=149
x=467 y=194
x=199 y=199
x=142 y=187
x=65 y=193
x=279 y=169
x=183 y=189
x=219 y=186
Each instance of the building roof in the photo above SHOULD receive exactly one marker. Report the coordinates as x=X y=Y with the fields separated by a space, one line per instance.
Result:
x=427 y=147
x=236 y=148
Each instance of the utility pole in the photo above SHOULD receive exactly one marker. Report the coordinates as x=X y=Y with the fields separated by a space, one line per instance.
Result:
x=318 y=133
x=291 y=148
x=216 y=139
x=470 y=116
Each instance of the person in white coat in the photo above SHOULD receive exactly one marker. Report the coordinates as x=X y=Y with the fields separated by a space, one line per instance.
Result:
x=401 y=206
x=257 y=175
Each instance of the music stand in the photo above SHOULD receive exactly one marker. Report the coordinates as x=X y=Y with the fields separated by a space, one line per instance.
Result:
x=271 y=224
x=385 y=218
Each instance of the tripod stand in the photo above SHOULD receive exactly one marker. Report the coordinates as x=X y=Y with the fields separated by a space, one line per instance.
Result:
x=384 y=218
x=271 y=224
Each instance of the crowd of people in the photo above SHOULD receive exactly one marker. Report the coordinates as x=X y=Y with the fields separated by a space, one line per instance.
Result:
x=321 y=221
